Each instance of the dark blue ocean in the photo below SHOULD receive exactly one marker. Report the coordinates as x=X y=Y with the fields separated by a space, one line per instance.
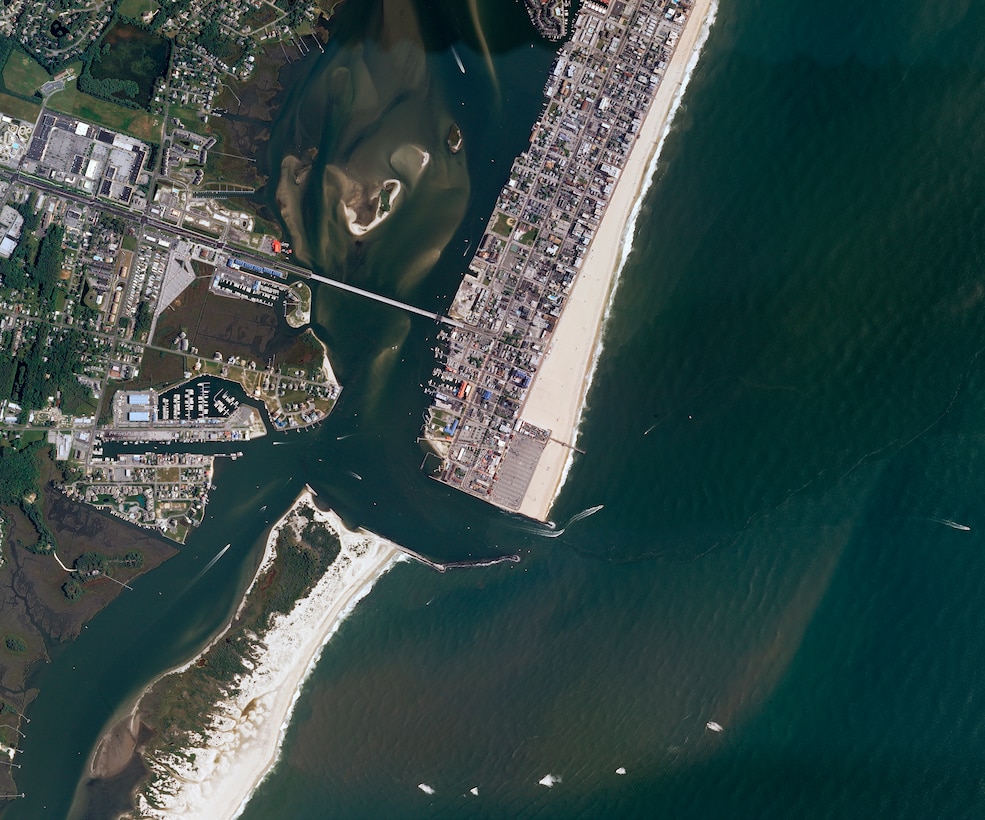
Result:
x=785 y=429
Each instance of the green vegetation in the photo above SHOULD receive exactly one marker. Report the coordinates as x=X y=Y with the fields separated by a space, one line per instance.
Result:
x=131 y=121
x=86 y=567
x=13 y=271
x=14 y=644
x=259 y=16
x=528 y=237
x=18 y=108
x=23 y=75
x=306 y=355
x=503 y=224
x=17 y=75
x=126 y=66
x=19 y=475
x=90 y=564
x=142 y=321
x=47 y=366
x=191 y=120
x=384 y=200
x=72 y=589
x=181 y=702
x=214 y=40
x=135 y=8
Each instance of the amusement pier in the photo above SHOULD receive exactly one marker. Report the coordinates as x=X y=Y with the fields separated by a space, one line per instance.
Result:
x=510 y=302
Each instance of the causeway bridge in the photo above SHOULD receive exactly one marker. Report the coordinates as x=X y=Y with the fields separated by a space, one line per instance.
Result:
x=385 y=300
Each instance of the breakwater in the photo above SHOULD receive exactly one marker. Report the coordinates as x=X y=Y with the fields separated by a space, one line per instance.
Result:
x=440 y=566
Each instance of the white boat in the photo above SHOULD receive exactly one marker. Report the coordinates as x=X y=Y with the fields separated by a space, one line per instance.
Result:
x=714 y=727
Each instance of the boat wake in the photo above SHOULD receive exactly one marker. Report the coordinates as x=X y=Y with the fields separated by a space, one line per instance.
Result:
x=458 y=60
x=206 y=568
x=947 y=522
x=550 y=529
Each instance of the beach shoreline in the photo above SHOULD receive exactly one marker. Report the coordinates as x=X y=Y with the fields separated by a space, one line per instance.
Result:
x=557 y=396
x=217 y=774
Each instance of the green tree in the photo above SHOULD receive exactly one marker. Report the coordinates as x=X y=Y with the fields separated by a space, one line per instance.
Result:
x=19 y=474
x=90 y=564
x=72 y=589
x=143 y=319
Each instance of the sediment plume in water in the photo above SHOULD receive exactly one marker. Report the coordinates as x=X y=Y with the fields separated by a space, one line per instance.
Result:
x=370 y=158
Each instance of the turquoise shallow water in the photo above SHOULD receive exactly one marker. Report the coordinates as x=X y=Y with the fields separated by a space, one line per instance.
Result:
x=800 y=324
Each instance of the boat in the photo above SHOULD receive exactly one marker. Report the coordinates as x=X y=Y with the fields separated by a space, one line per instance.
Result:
x=714 y=727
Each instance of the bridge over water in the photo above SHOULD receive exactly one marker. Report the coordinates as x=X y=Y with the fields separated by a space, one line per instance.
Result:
x=386 y=300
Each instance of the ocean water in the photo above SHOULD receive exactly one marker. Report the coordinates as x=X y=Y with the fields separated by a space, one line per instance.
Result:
x=784 y=429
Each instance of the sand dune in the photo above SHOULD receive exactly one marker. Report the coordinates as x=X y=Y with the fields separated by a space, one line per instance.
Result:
x=245 y=732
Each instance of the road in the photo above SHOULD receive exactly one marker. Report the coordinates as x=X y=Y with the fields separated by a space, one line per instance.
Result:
x=385 y=300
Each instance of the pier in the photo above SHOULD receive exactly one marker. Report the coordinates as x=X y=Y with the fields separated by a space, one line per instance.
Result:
x=385 y=300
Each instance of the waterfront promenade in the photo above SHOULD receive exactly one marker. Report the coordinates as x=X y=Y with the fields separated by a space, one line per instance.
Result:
x=508 y=395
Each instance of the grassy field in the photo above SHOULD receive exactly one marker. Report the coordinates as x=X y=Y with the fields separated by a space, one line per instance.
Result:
x=139 y=124
x=23 y=75
x=134 y=8
x=190 y=120
x=18 y=108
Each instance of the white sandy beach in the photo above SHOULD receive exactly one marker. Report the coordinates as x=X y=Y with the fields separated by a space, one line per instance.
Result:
x=557 y=395
x=355 y=227
x=247 y=730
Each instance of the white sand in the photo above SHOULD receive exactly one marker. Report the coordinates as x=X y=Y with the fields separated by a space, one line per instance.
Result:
x=557 y=395
x=247 y=730
x=358 y=229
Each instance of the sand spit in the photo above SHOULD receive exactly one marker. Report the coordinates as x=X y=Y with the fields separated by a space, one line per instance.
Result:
x=116 y=747
x=557 y=396
x=216 y=776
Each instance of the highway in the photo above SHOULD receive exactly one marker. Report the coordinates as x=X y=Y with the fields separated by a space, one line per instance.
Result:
x=168 y=227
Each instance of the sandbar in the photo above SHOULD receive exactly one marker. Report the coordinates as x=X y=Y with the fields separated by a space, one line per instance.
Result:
x=557 y=395
x=356 y=228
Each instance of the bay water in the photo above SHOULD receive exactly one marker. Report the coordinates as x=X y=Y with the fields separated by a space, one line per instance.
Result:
x=784 y=431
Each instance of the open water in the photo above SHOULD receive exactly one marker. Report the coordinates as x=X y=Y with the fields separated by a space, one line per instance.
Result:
x=784 y=428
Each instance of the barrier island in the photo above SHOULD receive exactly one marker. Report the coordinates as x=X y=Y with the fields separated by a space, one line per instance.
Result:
x=201 y=738
x=512 y=380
